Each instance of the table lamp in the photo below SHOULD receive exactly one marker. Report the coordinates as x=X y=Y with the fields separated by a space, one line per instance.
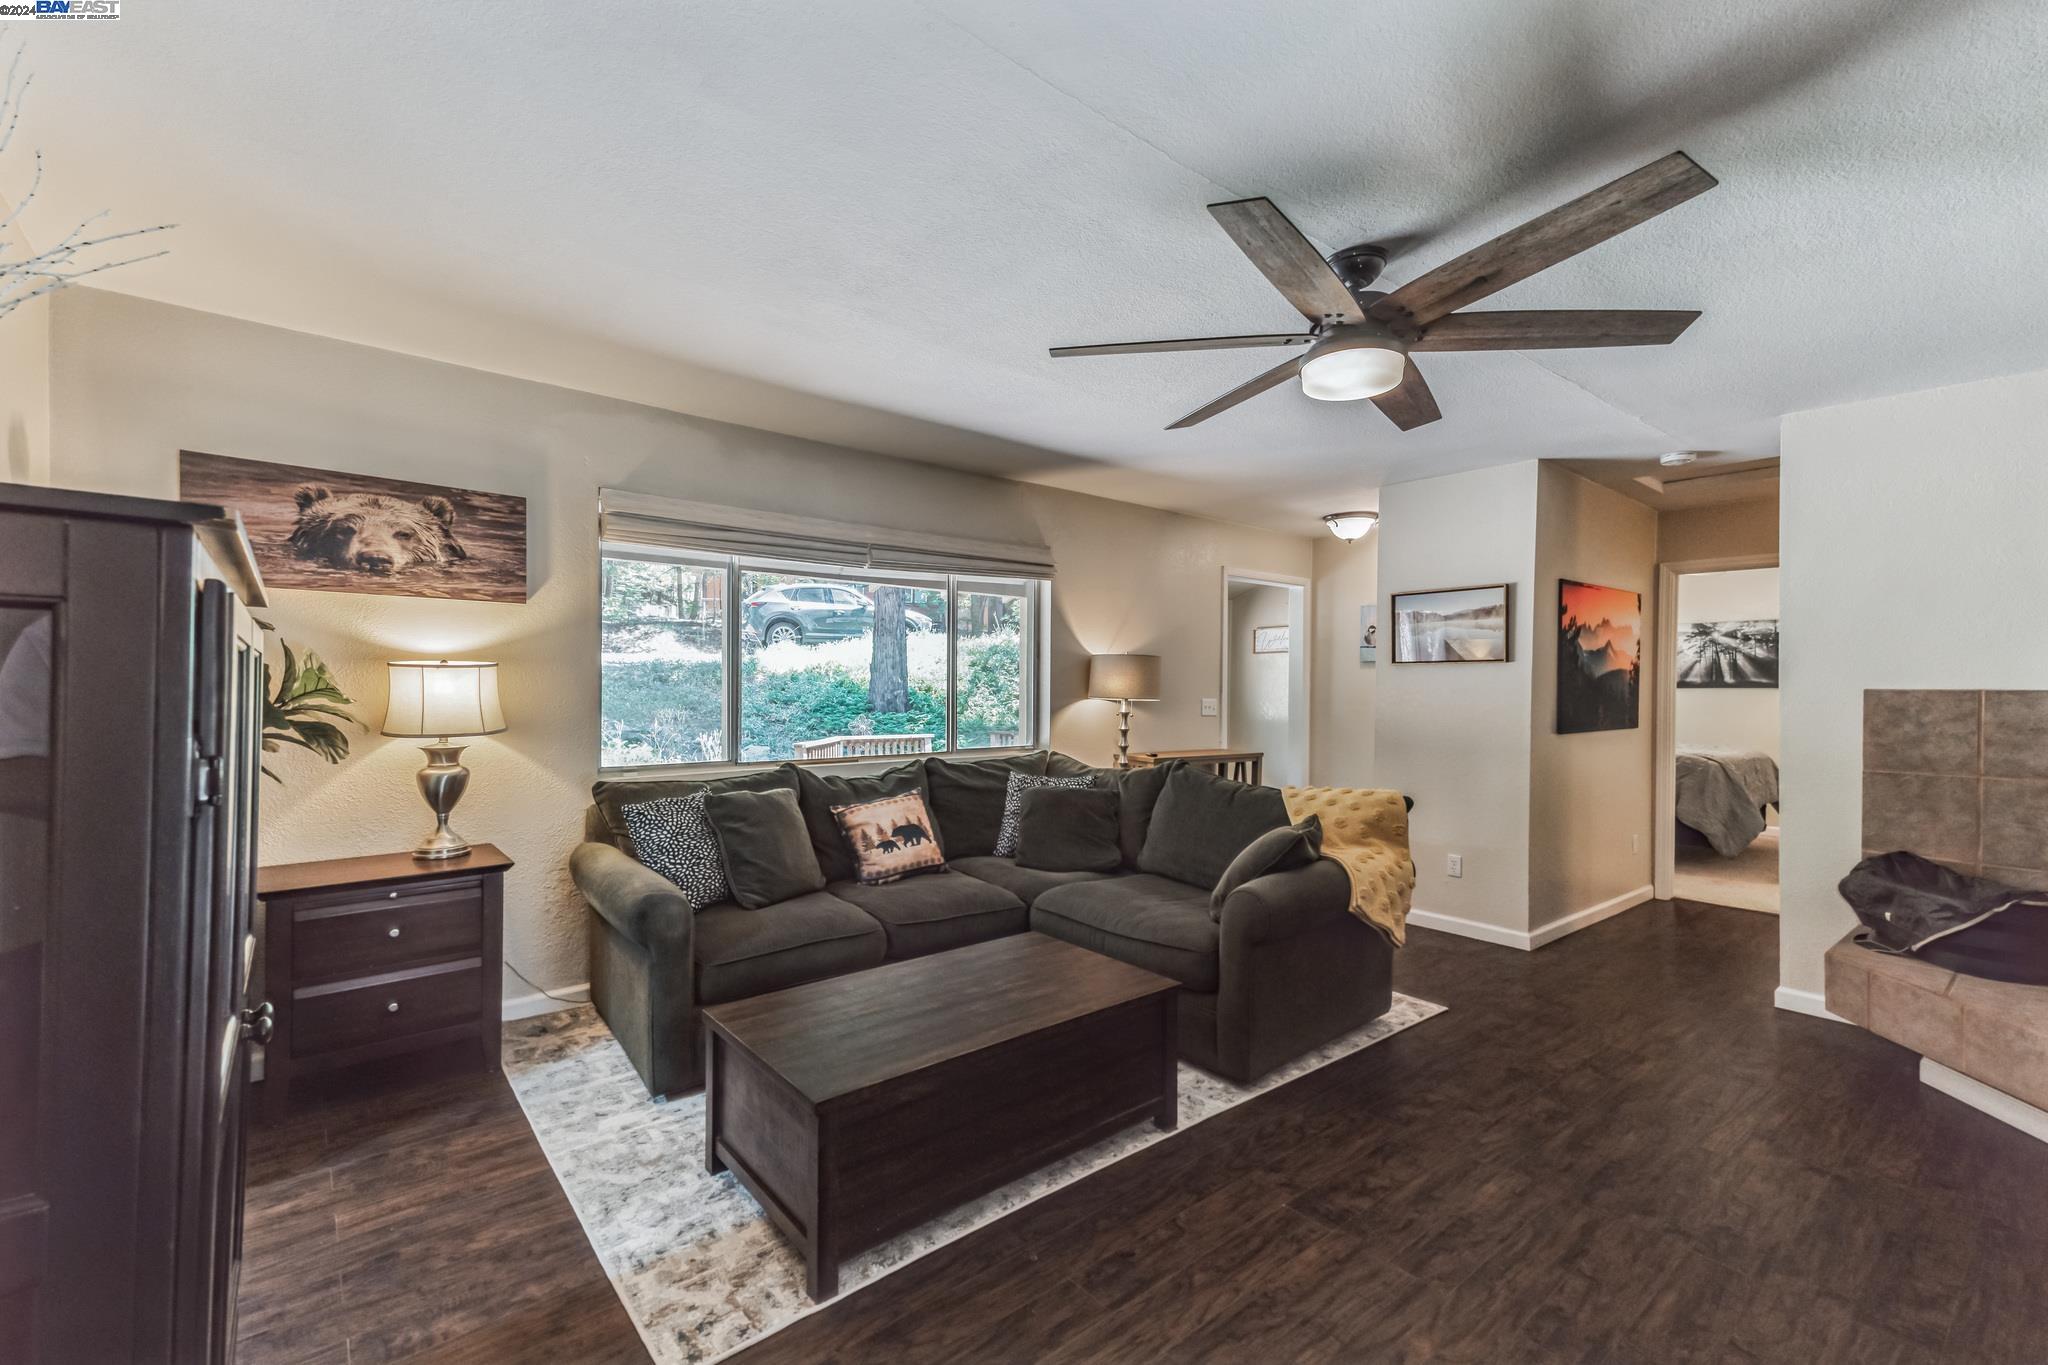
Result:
x=1123 y=679
x=443 y=699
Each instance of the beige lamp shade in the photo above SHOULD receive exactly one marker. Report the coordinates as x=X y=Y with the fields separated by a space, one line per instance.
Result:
x=1124 y=677
x=442 y=698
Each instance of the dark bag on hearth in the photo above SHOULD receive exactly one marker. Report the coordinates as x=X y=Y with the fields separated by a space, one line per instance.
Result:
x=1911 y=905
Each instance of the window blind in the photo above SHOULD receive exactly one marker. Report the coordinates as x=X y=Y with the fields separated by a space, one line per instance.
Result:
x=627 y=518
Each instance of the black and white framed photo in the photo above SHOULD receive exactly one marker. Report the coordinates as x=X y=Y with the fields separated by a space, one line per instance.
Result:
x=1452 y=625
x=1728 y=654
x=1369 y=633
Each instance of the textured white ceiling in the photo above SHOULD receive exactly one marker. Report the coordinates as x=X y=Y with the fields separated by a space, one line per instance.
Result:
x=893 y=208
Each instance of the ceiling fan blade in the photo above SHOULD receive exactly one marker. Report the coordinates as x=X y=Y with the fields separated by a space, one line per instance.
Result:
x=1251 y=388
x=1186 y=344
x=1554 y=328
x=1285 y=257
x=1410 y=404
x=1542 y=242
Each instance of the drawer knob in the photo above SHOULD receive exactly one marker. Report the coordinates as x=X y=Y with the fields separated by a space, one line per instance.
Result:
x=391 y=1008
x=393 y=932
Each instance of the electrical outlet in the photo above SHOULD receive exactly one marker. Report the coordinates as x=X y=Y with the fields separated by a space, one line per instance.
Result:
x=1455 y=865
x=1208 y=706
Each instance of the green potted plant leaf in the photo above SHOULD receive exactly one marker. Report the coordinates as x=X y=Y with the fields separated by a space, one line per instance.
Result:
x=301 y=709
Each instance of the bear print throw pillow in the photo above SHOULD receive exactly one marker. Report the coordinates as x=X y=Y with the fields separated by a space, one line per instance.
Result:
x=891 y=837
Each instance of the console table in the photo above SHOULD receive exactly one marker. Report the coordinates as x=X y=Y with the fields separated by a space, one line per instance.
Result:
x=367 y=958
x=1245 y=765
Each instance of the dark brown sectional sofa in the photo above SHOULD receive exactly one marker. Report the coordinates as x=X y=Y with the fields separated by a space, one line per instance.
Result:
x=1282 y=968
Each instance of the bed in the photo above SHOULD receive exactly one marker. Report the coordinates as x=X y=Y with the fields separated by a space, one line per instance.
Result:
x=1723 y=795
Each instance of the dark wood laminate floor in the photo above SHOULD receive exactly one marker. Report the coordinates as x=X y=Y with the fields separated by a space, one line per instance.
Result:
x=1613 y=1149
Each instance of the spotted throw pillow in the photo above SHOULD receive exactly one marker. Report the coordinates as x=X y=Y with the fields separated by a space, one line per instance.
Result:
x=1013 y=805
x=891 y=837
x=676 y=840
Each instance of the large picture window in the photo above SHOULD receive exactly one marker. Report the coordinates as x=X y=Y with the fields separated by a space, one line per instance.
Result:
x=725 y=659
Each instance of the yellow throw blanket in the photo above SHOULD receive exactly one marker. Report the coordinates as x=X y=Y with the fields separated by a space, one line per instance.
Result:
x=1366 y=831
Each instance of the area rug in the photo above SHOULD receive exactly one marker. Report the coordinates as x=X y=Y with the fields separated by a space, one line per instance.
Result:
x=701 y=1270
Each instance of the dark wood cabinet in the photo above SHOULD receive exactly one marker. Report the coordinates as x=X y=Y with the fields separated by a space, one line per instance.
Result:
x=369 y=957
x=131 y=683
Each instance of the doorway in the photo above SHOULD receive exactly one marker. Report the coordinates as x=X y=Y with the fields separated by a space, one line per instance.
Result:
x=1265 y=672
x=1716 y=830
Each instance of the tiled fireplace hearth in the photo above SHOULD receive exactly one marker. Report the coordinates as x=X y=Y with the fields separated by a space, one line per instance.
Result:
x=1960 y=777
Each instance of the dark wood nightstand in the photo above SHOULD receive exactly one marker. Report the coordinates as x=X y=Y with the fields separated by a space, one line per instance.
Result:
x=367 y=958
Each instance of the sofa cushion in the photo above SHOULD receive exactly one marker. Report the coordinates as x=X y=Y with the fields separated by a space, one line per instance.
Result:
x=1137 y=797
x=936 y=911
x=890 y=838
x=1025 y=883
x=613 y=795
x=1202 y=821
x=1058 y=764
x=1277 y=850
x=764 y=846
x=1152 y=922
x=674 y=837
x=1069 y=831
x=967 y=798
x=820 y=791
x=1013 y=804
x=747 y=952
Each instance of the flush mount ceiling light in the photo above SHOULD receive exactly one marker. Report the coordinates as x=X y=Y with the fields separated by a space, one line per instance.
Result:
x=1349 y=526
x=1363 y=360
x=1672 y=459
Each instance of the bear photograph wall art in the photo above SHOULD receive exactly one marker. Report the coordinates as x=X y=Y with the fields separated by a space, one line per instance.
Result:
x=335 y=532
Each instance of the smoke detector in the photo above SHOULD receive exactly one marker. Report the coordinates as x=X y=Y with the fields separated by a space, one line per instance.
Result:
x=1672 y=459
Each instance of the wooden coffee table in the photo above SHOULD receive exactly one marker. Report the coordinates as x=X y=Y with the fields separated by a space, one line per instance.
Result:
x=860 y=1107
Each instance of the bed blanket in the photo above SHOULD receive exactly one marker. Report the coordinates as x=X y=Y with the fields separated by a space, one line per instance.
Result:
x=1722 y=793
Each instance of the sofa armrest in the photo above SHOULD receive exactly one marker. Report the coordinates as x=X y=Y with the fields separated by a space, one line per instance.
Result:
x=1283 y=905
x=633 y=898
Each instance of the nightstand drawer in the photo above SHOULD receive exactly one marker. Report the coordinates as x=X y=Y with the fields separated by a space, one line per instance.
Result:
x=393 y=1005
x=385 y=930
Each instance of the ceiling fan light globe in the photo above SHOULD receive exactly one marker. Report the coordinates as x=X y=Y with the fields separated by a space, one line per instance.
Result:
x=1346 y=366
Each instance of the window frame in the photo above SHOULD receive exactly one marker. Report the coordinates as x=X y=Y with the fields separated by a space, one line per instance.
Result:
x=1033 y=664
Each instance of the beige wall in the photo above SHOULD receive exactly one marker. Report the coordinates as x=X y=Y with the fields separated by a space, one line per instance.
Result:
x=25 y=392
x=1912 y=558
x=1738 y=528
x=1589 y=794
x=1728 y=717
x=134 y=381
x=1455 y=736
x=1346 y=578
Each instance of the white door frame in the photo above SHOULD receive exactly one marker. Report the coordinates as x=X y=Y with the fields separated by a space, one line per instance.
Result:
x=1664 y=737
x=1300 y=673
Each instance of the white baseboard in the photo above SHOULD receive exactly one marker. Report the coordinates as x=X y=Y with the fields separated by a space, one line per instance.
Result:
x=1470 y=928
x=1805 y=1002
x=1529 y=942
x=534 y=1003
x=1993 y=1101
x=1591 y=915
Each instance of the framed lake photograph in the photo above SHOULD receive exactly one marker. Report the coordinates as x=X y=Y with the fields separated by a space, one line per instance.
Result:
x=1728 y=654
x=335 y=532
x=1452 y=625
x=1599 y=657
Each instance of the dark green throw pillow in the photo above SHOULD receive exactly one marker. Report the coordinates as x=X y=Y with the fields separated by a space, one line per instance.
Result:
x=764 y=845
x=612 y=795
x=1202 y=821
x=821 y=791
x=966 y=798
x=1277 y=850
x=1068 y=829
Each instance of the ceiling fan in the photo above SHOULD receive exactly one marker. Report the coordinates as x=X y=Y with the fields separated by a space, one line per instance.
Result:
x=1360 y=340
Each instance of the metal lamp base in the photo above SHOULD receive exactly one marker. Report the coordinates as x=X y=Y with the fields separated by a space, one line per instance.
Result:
x=442 y=783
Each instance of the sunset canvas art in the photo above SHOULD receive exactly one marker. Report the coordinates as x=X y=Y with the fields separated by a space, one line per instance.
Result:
x=1599 y=657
